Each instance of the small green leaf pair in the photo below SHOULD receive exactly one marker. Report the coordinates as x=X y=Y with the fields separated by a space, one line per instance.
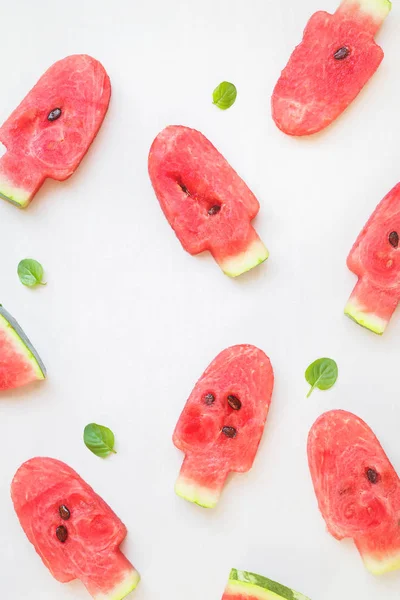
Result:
x=99 y=439
x=322 y=374
x=30 y=272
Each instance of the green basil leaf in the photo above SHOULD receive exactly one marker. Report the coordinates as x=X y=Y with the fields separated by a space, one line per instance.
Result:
x=30 y=272
x=99 y=439
x=322 y=374
x=224 y=95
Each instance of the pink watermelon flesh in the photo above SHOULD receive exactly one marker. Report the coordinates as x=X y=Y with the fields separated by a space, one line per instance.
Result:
x=205 y=201
x=245 y=373
x=375 y=259
x=315 y=87
x=38 y=148
x=20 y=364
x=91 y=551
x=357 y=488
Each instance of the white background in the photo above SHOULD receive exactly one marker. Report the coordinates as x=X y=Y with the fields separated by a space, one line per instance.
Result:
x=128 y=320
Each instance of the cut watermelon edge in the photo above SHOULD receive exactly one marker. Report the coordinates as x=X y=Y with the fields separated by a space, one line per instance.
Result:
x=198 y=494
x=378 y=566
x=17 y=196
x=233 y=266
x=368 y=320
x=122 y=589
x=377 y=9
x=242 y=583
x=21 y=342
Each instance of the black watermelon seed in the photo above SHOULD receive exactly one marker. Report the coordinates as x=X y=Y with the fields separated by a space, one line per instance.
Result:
x=230 y=432
x=214 y=210
x=184 y=189
x=372 y=475
x=234 y=402
x=342 y=53
x=394 y=239
x=62 y=533
x=209 y=399
x=54 y=114
x=64 y=512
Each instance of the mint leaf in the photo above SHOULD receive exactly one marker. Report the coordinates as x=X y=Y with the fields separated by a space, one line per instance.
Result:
x=30 y=272
x=99 y=439
x=322 y=374
x=224 y=95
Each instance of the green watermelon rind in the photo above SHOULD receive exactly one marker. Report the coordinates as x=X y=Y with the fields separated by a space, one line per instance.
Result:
x=378 y=9
x=200 y=495
x=249 y=584
x=122 y=589
x=17 y=336
x=368 y=320
x=17 y=196
x=233 y=266
x=378 y=566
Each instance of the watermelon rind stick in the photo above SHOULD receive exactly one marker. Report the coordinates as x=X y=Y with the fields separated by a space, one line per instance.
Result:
x=377 y=565
x=19 y=169
x=242 y=584
x=377 y=10
x=370 y=307
x=251 y=256
x=125 y=585
x=199 y=482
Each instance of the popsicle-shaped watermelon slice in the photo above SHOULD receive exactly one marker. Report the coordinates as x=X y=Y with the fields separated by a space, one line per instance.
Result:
x=49 y=133
x=375 y=259
x=222 y=423
x=249 y=586
x=73 y=530
x=357 y=488
x=205 y=201
x=337 y=57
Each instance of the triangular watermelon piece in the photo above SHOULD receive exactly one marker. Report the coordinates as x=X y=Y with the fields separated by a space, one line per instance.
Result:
x=20 y=364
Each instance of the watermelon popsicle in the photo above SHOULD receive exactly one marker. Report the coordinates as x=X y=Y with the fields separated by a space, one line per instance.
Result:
x=357 y=488
x=205 y=201
x=73 y=530
x=375 y=259
x=49 y=133
x=336 y=58
x=222 y=423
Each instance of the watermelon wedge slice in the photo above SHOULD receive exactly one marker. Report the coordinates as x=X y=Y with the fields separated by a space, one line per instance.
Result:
x=248 y=586
x=222 y=423
x=357 y=488
x=51 y=130
x=73 y=530
x=337 y=57
x=205 y=201
x=375 y=259
x=20 y=364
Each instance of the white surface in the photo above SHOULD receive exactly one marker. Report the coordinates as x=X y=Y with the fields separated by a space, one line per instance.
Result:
x=128 y=320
